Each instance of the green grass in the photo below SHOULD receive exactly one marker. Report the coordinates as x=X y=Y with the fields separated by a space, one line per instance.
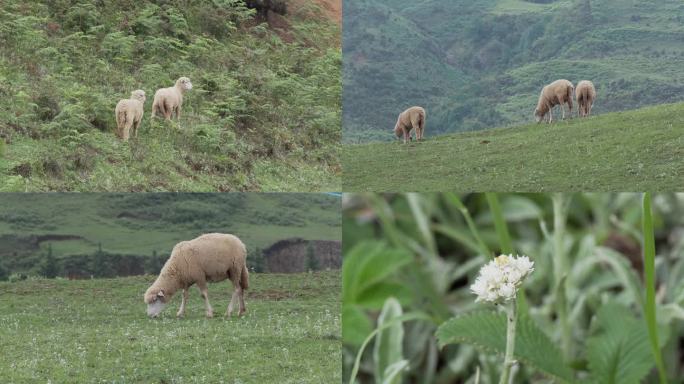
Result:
x=94 y=331
x=635 y=150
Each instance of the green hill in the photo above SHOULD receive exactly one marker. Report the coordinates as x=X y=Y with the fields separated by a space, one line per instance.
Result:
x=641 y=150
x=481 y=64
x=264 y=112
x=73 y=225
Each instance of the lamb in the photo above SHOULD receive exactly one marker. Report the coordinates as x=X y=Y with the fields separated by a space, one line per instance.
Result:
x=412 y=118
x=585 y=94
x=168 y=101
x=557 y=93
x=129 y=114
x=211 y=257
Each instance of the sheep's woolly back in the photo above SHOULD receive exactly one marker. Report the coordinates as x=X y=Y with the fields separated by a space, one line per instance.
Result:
x=166 y=100
x=585 y=91
x=208 y=258
x=129 y=111
x=411 y=118
x=558 y=92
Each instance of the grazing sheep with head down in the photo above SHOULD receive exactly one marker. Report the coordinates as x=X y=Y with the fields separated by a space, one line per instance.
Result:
x=129 y=114
x=412 y=118
x=208 y=258
x=557 y=93
x=168 y=101
x=585 y=94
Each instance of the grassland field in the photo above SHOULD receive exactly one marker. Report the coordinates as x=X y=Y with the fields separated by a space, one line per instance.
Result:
x=96 y=331
x=641 y=149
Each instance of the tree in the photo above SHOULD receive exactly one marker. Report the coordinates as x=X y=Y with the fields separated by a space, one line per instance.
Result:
x=257 y=261
x=311 y=260
x=50 y=268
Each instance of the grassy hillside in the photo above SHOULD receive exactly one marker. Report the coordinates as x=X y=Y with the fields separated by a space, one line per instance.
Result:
x=480 y=64
x=90 y=331
x=145 y=224
x=622 y=151
x=264 y=113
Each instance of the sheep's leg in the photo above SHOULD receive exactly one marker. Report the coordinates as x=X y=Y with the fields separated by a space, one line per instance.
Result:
x=127 y=130
x=205 y=296
x=181 y=310
x=406 y=136
x=178 y=110
x=241 y=296
x=229 y=311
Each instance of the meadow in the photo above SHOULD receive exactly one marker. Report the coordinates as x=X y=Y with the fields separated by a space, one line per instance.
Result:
x=263 y=114
x=96 y=331
x=604 y=303
x=620 y=151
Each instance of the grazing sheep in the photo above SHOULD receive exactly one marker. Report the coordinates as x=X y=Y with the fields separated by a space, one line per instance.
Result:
x=586 y=95
x=208 y=258
x=412 y=118
x=557 y=93
x=168 y=101
x=129 y=114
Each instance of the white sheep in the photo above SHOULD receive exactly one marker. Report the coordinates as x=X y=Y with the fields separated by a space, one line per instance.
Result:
x=557 y=93
x=412 y=118
x=586 y=95
x=129 y=114
x=208 y=258
x=168 y=101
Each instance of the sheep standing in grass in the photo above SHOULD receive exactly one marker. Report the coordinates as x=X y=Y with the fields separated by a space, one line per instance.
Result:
x=208 y=258
x=585 y=94
x=557 y=93
x=168 y=101
x=412 y=118
x=129 y=114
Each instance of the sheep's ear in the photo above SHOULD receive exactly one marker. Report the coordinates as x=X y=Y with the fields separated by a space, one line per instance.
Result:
x=160 y=293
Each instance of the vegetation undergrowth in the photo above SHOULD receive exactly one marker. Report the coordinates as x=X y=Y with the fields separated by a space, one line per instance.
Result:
x=264 y=113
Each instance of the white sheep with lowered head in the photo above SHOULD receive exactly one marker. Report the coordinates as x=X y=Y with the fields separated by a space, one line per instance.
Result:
x=129 y=114
x=557 y=93
x=585 y=93
x=410 y=119
x=168 y=101
x=212 y=257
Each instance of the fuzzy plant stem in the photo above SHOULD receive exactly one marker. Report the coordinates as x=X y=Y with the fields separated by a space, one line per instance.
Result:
x=510 y=342
x=560 y=263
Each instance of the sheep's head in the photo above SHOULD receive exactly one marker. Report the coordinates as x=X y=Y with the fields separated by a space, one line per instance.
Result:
x=184 y=83
x=138 y=95
x=538 y=115
x=155 y=300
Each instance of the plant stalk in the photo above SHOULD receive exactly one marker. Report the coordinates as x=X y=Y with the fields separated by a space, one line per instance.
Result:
x=510 y=341
x=560 y=266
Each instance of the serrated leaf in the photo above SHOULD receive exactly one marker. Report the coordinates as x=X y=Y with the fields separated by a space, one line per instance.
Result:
x=487 y=331
x=388 y=343
x=619 y=350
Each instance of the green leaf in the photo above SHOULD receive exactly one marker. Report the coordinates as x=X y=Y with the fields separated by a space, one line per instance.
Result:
x=373 y=297
x=500 y=223
x=355 y=325
x=387 y=350
x=487 y=331
x=367 y=264
x=618 y=352
x=649 y=281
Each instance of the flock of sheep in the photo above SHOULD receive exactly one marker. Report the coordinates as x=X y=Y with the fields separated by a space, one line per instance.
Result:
x=167 y=101
x=560 y=92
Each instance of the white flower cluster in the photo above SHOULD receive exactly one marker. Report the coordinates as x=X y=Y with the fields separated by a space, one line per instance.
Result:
x=500 y=278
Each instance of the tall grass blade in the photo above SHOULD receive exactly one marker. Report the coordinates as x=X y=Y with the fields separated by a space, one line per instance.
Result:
x=649 y=280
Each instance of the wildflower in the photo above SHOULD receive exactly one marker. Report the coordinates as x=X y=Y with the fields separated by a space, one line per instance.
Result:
x=500 y=279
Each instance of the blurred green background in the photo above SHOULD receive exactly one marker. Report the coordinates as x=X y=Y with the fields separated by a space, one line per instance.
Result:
x=425 y=251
